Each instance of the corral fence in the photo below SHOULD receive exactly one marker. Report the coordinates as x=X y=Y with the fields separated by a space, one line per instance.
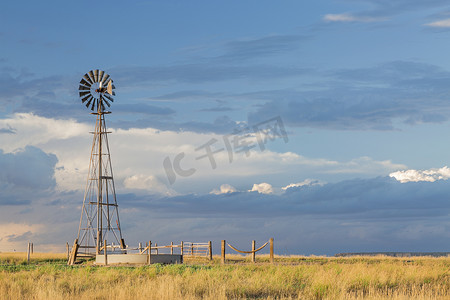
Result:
x=191 y=249
x=252 y=252
x=186 y=249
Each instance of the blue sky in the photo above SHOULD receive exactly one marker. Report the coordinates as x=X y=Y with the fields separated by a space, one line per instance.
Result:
x=360 y=88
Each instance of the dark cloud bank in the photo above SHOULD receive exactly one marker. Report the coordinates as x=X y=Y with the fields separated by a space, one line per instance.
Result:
x=377 y=214
x=25 y=175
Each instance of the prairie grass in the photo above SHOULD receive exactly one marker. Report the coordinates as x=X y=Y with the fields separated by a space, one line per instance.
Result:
x=291 y=277
x=16 y=258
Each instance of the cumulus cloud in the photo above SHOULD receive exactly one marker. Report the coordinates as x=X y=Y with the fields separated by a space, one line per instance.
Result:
x=29 y=168
x=148 y=183
x=430 y=175
x=306 y=182
x=8 y=130
x=141 y=152
x=224 y=189
x=25 y=175
x=262 y=188
x=31 y=129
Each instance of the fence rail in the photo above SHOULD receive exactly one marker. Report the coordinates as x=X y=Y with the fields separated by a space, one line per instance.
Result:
x=187 y=249
x=197 y=249
x=252 y=252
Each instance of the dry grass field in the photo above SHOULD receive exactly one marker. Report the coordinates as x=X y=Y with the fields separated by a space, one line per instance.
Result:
x=293 y=277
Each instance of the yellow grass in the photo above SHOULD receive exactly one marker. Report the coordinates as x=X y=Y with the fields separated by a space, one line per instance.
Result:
x=21 y=257
x=295 y=277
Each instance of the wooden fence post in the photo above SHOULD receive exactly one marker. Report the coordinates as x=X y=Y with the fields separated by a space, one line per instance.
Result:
x=171 y=248
x=32 y=248
x=210 y=250
x=73 y=254
x=105 y=252
x=67 y=249
x=182 y=248
x=223 y=251
x=156 y=245
x=140 y=247
x=149 y=252
x=271 y=250
x=28 y=252
x=253 y=253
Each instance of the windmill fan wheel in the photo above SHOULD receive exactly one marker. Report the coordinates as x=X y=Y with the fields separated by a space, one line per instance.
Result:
x=96 y=90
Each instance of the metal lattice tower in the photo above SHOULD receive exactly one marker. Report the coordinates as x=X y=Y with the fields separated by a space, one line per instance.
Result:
x=100 y=214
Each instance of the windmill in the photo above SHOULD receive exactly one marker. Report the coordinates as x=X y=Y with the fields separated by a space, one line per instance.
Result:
x=99 y=221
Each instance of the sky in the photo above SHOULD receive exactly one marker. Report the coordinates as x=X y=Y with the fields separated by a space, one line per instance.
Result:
x=322 y=124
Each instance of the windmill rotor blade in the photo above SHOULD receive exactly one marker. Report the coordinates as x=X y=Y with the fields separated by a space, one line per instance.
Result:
x=84 y=94
x=84 y=82
x=108 y=97
x=93 y=103
x=105 y=79
x=106 y=101
x=89 y=102
x=91 y=75
x=96 y=75
x=104 y=92
x=100 y=75
x=86 y=76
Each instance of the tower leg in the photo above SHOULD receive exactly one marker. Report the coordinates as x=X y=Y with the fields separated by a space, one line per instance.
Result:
x=122 y=245
x=73 y=253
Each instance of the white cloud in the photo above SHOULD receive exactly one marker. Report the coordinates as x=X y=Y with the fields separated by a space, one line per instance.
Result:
x=262 y=188
x=224 y=189
x=35 y=130
x=441 y=24
x=421 y=175
x=147 y=183
x=141 y=152
x=364 y=165
x=305 y=182
x=349 y=18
